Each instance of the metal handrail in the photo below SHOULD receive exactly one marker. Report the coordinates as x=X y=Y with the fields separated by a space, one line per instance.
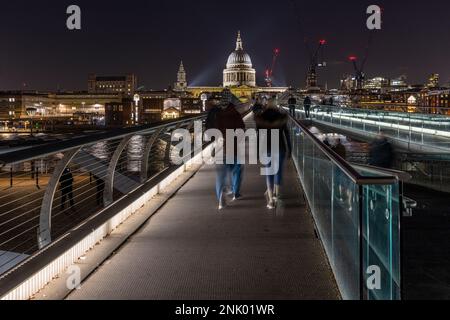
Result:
x=401 y=175
x=345 y=166
x=413 y=115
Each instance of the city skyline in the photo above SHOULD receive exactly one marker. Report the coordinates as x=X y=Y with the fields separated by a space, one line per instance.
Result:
x=150 y=39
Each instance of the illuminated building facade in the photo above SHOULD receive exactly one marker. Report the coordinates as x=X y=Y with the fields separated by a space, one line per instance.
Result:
x=112 y=84
x=433 y=82
x=239 y=77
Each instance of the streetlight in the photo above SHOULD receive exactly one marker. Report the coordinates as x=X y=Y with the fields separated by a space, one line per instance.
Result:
x=31 y=113
x=204 y=98
x=136 y=99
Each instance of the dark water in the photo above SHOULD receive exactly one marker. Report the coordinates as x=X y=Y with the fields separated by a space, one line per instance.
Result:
x=130 y=160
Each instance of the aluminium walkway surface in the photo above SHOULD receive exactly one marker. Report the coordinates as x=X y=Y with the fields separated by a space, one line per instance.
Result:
x=190 y=251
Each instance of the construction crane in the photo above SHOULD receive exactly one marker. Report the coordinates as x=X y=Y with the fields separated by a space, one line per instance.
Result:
x=359 y=72
x=269 y=72
x=360 y=76
x=311 y=81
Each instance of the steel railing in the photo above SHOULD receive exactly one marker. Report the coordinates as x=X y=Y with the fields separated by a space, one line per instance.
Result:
x=46 y=191
x=357 y=212
x=410 y=131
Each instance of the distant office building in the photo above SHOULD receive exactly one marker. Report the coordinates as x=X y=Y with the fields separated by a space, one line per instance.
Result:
x=10 y=105
x=376 y=84
x=348 y=83
x=119 y=114
x=433 y=82
x=112 y=84
x=398 y=84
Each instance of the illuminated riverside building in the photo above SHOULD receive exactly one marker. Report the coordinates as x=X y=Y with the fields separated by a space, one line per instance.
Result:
x=436 y=99
x=73 y=106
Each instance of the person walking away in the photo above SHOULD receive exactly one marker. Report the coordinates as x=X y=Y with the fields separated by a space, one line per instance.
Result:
x=66 y=186
x=212 y=107
x=292 y=102
x=307 y=106
x=257 y=106
x=274 y=119
x=380 y=154
x=227 y=118
x=339 y=148
x=327 y=142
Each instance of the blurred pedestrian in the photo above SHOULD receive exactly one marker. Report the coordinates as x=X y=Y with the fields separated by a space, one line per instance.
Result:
x=274 y=119
x=257 y=106
x=292 y=103
x=340 y=149
x=381 y=154
x=226 y=117
x=66 y=186
x=307 y=106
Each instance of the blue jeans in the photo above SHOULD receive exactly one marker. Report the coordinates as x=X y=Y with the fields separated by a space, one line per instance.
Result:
x=223 y=172
x=277 y=178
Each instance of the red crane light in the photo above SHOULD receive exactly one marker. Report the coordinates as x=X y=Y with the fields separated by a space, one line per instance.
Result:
x=352 y=58
x=323 y=42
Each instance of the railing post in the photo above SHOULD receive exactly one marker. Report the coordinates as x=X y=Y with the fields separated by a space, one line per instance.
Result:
x=147 y=149
x=361 y=243
x=45 y=220
x=109 y=180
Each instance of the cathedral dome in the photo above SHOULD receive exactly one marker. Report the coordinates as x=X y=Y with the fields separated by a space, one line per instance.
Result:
x=239 y=57
x=239 y=69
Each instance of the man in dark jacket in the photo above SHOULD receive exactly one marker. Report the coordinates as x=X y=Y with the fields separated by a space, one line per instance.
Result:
x=66 y=186
x=292 y=103
x=257 y=106
x=307 y=106
x=226 y=117
x=339 y=148
x=381 y=153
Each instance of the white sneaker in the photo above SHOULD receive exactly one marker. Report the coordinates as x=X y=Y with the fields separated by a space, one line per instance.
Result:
x=237 y=197
x=271 y=205
x=222 y=202
x=228 y=191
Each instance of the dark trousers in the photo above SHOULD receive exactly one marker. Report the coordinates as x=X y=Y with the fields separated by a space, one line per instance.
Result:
x=67 y=192
x=307 y=111
x=292 y=111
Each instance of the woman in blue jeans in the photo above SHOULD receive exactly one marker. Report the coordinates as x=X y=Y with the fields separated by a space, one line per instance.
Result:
x=274 y=119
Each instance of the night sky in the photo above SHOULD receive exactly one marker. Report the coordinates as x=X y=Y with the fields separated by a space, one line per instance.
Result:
x=149 y=38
